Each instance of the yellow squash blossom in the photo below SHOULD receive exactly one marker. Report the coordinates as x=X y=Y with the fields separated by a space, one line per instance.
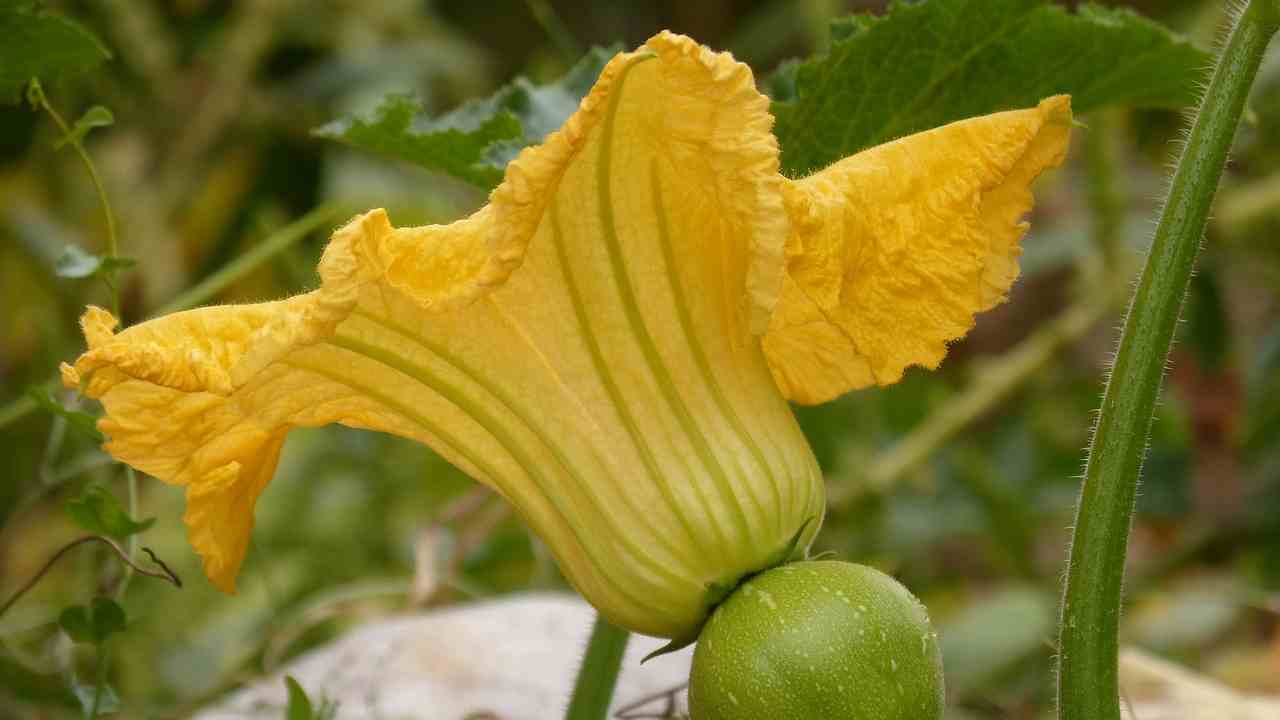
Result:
x=610 y=343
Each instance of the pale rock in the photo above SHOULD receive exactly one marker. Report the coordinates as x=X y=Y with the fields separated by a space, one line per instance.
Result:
x=1161 y=690
x=514 y=658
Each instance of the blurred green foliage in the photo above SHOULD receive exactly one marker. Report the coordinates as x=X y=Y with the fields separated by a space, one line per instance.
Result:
x=212 y=153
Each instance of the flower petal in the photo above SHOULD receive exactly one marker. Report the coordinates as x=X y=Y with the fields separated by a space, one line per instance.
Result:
x=893 y=250
x=584 y=345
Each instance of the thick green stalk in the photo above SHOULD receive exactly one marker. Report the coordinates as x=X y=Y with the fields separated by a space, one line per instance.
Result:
x=599 y=672
x=1087 y=682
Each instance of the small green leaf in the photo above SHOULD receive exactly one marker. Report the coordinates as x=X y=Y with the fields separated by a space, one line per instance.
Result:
x=108 y=618
x=41 y=44
x=78 y=420
x=926 y=64
x=299 y=707
x=74 y=262
x=93 y=625
x=476 y=141
x=95 y=117
x=98 y=511
x=77 y=622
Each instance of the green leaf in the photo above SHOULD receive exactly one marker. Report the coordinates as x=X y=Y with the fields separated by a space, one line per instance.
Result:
x=78 y=420
x=97 y=511
x=299 y=707
x=93 y=625
x=108 y=618
x=926 y=64
x=41 y=44
x=95 y=117
x=74 y=262
x=77 y=623
x=476 y=141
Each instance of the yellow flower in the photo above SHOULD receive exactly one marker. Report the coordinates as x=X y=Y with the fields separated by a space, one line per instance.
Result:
x=611 y=342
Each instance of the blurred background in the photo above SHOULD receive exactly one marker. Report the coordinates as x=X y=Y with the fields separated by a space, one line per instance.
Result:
x=960 y=482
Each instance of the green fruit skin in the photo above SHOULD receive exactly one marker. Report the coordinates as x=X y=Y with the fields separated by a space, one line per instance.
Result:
x=821 y=640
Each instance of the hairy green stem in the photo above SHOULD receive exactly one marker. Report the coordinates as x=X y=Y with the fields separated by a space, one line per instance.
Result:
x=1088 y=688
x=599 y=672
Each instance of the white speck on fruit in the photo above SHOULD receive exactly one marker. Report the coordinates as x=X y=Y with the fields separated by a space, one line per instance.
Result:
x=765 y=596
x=733 y=698
x=862 y=608
x=893 y=663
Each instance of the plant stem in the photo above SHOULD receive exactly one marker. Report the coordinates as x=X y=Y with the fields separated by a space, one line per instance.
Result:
x=164 y=573
x=599 y=672
x=16 y=410
x=1106 y=198
x=99 y=680
x=131 y=481
x=545 y=15
x=38 y=96
x=995 y=382
x=277 y=242
x=1087 y=676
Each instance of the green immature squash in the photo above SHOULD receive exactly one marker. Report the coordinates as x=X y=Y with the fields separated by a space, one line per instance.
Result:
x=818 y=641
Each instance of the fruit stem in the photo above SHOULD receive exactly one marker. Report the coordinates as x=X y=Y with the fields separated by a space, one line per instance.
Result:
x=599 y=672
